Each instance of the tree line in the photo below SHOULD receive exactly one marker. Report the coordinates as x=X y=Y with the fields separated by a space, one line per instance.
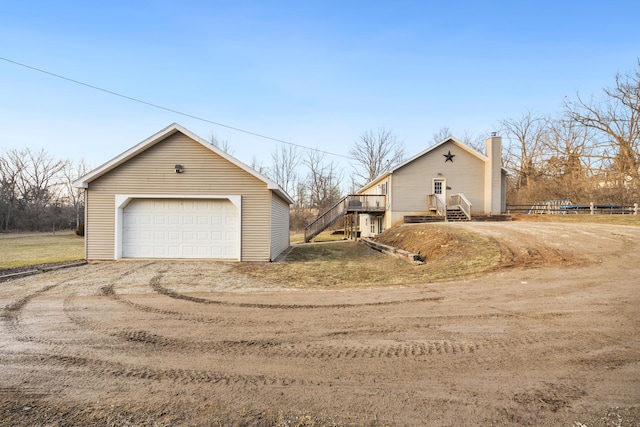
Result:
x=588 y=152
x=36 y=192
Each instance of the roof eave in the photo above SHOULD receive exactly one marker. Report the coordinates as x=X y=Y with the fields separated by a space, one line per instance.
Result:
x=375 y=181
x=83 y=182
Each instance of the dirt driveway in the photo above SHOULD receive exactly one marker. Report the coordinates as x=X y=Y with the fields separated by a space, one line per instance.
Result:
x=190 y=343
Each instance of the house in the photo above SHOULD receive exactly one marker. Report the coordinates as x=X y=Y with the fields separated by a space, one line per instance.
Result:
x=449 y=180
x=175 y=195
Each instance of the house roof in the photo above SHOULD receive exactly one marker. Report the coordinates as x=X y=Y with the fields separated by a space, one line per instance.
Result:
x=83 y=182
x=451 y=139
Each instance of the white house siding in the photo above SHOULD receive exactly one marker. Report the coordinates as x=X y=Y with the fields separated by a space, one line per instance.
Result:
x=413 y=182
x=376 y=189
x=493 y=176
x=279 y=226
x=153 y=172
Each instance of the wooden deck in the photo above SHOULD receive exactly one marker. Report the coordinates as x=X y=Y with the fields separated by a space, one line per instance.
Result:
x=353 y=203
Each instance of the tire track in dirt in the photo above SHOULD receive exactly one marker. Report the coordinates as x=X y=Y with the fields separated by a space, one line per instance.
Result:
x=156 y=285
x=183 y=376
x=265 y=348
x=271 y=348
x=109 y=291
x=12 y=313
x=255 y=348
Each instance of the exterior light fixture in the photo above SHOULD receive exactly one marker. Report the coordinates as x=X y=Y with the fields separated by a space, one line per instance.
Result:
x=179 y=169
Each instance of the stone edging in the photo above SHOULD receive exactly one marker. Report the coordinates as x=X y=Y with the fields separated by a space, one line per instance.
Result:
x=43 y=269
x=390 y=250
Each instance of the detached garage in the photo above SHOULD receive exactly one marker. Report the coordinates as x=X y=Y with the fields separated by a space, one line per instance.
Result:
x=175 y=195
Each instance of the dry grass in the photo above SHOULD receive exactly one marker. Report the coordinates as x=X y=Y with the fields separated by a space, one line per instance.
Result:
x=19 y=250
x=448 y=252
x=352 y=264
x=325 y=236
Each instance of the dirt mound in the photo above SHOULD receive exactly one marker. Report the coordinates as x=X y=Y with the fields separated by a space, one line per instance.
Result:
x=453 y=251
x=427 y=241
x=471 y=243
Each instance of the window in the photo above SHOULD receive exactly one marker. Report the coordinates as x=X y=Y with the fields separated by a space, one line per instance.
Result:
x=437 y=187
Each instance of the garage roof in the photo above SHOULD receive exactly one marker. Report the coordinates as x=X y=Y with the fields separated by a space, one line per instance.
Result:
x=83 y=182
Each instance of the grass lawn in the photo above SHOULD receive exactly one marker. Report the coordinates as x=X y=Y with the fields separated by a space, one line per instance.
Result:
x=19 y=250
x=325 y=236
x=352 y=264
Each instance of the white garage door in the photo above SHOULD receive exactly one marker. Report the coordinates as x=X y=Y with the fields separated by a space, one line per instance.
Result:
x=180 y=228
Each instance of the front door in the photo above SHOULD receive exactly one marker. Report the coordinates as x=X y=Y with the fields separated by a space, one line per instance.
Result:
x=440 y=189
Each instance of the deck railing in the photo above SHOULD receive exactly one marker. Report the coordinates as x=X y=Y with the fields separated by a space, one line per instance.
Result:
x=435 y=203
x=461 y=201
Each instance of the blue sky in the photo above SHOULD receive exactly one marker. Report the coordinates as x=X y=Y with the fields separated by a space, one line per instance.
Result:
x=317 y=74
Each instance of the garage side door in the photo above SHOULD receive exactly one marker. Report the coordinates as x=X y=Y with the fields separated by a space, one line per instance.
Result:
x=180 y=228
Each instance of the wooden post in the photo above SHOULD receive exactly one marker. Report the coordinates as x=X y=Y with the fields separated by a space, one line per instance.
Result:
x=635 y=209
x=591 y=208
x=356 y=224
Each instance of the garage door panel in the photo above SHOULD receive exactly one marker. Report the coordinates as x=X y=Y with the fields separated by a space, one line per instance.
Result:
x=180 y=229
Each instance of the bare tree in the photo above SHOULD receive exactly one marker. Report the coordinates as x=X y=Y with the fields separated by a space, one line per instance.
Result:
x=283 y=171
x=11 y=169
x=39 y=185
x=301 y=213
x=323 y=181
x=475 y=141
x=221 y=144
x=616 y=120
x=526 y=136
x=469 y=138
x=376 y=152
x=568 y=166
x=74 y=196
x=258 y=166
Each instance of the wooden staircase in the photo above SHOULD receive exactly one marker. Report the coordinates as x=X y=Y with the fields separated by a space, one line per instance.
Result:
x=353 y=203
x=456 y=214
x=457 y=208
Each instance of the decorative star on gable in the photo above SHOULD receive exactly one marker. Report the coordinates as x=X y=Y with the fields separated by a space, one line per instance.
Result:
x=449 y=157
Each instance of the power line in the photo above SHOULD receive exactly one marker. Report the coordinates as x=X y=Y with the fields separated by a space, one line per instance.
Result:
x=160 y=107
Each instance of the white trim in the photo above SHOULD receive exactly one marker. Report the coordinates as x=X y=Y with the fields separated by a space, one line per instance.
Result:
x=443 y=191
x=462 y=145
x=83 y=182
x=122 y=200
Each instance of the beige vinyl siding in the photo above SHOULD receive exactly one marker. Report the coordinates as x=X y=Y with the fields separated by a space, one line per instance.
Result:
x=413 y=182
x=153 y=172
x=375 y=189
x=279 y=226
